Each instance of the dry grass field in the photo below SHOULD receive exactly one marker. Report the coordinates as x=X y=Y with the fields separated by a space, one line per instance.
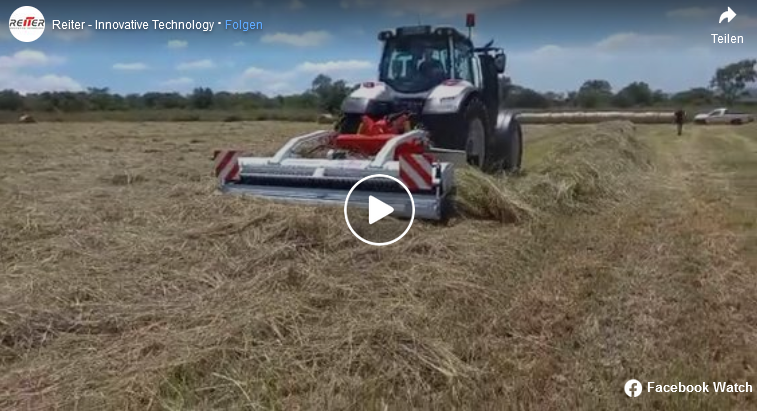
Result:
x=621 y=252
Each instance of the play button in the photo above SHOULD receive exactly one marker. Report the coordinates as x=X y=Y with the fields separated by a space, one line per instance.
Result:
x=377 y=209
x=368 y=204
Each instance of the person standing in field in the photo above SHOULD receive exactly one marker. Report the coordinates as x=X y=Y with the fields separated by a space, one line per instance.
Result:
x=680 y=116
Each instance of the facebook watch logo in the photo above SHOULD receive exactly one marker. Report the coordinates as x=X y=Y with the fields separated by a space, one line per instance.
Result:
x=633 y=388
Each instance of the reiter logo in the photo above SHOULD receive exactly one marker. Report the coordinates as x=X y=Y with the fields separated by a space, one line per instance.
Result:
x=26 y=24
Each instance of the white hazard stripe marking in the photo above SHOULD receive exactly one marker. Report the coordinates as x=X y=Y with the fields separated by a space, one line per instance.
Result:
x=411 y=176
x=417 y=171
x=227 y=166
x=229 y=169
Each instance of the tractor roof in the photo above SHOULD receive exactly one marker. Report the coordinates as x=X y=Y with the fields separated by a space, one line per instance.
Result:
x=420 y=30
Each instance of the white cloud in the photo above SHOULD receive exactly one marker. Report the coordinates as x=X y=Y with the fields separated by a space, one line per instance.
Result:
x=14 y=73
x=178 y=83
x=286 y=81
x=28 y=58
x=36 y=84
x=306 y=39
x=197 y=65
x=130 y=66
x=612 y=45
x=694 y=13
x=240 y=44
x=73 y=35
x=334 y=66
x=328 y=68
x=631 y=40
x=296 y=5
x=550 y=50
x=278 y=86
x=177 y=44
x=282 y=88
x=259 y=72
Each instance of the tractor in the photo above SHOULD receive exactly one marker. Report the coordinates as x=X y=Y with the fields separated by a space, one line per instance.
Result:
x=449 y=87
x=434 y=108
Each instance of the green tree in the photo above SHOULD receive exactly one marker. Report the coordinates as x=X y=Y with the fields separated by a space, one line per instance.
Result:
x=659 y=97
x=522 y=97
x=730 y=81
x=201 y=98
x=594 y=94
x=694 y=96
x=635 y=94
x=330 y=93
x=11 y=100
x=100 y=98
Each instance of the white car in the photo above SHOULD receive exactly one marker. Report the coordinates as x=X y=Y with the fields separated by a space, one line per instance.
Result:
x=723 y=116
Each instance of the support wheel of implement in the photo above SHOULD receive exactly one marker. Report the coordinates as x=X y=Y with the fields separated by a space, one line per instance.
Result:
x=477 y=135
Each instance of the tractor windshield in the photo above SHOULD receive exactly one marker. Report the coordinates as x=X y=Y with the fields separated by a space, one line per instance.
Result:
x=413 y=64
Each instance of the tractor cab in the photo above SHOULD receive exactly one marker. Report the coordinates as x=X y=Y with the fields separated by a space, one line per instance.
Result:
x=416 y=59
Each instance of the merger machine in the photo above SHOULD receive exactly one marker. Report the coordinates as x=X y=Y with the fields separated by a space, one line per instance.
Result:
x=435 y=106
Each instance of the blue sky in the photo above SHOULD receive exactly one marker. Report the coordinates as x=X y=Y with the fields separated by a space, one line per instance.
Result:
x=552 y=46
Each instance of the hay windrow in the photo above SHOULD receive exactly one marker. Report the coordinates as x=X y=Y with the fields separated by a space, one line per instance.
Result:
x=580 y=173
x=490 y=197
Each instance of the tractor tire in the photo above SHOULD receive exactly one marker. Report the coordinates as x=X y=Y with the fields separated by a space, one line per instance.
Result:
x=508 y=140
x=478 y=136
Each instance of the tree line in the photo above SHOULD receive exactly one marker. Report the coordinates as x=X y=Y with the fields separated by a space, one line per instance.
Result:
x=728 y=85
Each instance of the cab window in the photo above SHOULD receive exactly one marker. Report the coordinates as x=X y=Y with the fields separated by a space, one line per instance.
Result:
x=462 y=61
x=402 y=59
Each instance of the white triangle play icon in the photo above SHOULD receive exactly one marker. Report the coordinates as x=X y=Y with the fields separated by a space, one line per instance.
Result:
x=377 y=209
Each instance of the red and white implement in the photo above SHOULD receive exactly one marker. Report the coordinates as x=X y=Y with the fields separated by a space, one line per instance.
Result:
x=294 y=173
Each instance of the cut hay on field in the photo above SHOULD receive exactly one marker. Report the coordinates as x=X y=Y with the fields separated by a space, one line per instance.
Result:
x=579 y=173
x=483 y=196
x=583 y=171
x=129 y=284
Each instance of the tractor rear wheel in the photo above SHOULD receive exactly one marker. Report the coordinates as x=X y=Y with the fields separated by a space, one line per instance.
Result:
x=510 y=138
x=478 y=136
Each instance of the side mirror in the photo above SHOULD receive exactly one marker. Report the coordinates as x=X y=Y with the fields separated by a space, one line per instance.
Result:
x=500 y=62
x=385 y=35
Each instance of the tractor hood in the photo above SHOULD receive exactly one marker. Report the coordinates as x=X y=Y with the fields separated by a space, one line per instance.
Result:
x=444 y=98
